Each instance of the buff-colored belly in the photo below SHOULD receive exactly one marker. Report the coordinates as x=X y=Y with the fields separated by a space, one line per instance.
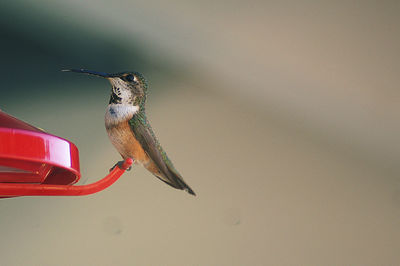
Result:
x=127 y=145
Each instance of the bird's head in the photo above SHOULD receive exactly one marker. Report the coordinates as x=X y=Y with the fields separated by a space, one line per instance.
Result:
x=126 y=87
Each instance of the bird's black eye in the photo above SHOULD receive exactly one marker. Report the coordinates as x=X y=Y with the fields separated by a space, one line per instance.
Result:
x=130 y=77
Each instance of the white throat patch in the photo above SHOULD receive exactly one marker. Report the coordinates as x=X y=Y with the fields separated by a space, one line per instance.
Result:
x=117 y=113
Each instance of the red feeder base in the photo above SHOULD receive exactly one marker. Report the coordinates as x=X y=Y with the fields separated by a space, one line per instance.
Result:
x=35 y=163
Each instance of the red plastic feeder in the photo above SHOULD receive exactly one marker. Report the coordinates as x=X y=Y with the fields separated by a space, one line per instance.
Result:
x=35 y=163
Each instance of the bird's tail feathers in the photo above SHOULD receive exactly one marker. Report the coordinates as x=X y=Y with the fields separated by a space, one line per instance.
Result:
x=175 y=180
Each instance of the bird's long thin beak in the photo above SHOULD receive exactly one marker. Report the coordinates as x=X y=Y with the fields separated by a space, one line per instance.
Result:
x=89 y=72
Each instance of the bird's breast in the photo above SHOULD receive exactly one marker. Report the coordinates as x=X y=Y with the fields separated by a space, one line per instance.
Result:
x=118 y=113
x=124 y=140
x=118 y=129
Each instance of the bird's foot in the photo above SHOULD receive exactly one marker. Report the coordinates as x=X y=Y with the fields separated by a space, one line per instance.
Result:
x=120 y=164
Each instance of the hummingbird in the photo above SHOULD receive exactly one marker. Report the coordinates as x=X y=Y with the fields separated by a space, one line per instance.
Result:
x=129 y=130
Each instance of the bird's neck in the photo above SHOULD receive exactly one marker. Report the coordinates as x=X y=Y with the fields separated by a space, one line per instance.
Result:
x=118 y=113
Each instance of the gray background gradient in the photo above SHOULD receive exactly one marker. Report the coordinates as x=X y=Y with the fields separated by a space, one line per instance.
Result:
x=283 y=116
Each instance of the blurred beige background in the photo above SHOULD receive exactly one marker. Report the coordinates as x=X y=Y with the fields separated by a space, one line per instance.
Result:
x=282 y=116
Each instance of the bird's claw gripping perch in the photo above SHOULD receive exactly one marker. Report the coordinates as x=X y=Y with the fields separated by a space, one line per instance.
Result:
x=123 y=165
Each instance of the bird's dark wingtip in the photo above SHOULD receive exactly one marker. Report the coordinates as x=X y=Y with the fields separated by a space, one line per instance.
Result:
x=190 y=191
